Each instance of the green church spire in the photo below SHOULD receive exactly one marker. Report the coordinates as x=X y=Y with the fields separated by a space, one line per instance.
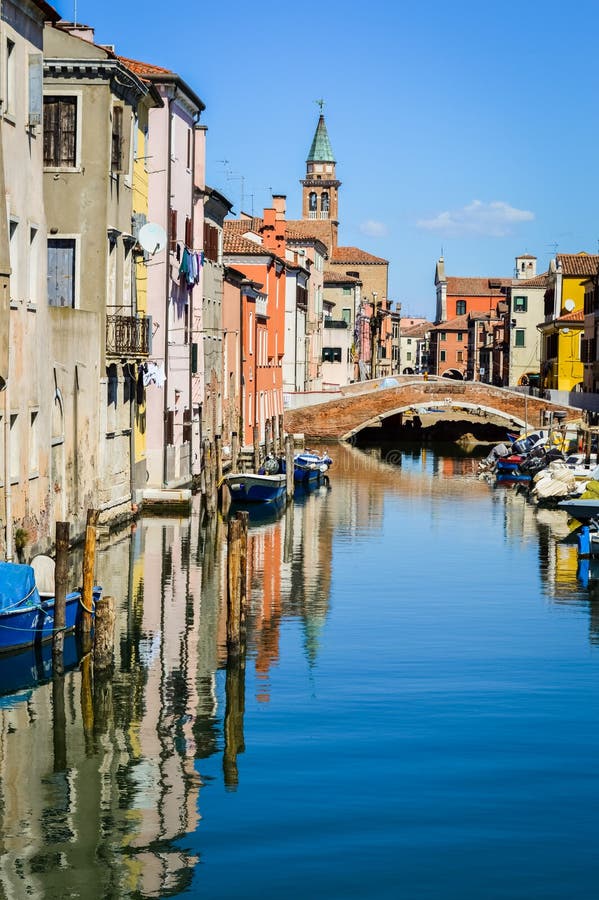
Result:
x=321 y=150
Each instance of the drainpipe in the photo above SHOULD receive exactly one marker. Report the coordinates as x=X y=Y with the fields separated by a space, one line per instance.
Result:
x=167 y=279
x=5 y=361
x=7 y=485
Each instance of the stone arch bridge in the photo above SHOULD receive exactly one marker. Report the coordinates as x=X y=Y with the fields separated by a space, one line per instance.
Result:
x=361 y=406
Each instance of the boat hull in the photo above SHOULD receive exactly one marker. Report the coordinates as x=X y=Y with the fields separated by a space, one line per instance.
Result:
x=581 y=510
x=21 y=627
x=250 y=488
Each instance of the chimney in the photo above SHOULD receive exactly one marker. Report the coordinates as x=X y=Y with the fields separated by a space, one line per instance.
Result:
x=273 y=232
x=85 y=32
x=279 y=202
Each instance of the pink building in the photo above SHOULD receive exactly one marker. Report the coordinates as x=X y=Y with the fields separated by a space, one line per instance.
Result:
x=174 y=278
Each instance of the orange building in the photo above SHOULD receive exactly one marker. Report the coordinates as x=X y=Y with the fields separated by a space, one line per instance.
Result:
x=260 y=257
x=458 y=299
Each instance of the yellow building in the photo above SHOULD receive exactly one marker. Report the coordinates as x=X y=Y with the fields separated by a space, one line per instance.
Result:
x=140 y=191
x=563 y=327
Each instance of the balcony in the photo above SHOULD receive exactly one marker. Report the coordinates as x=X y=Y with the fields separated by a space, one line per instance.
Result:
x=128 y=335
x=335 y=323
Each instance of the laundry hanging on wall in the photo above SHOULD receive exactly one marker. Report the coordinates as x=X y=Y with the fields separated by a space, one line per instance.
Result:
x=154 y=374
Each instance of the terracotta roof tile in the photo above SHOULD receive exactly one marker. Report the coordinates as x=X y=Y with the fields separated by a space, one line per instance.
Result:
x=460 y=323
x=339 y=278
x=233 y=242
x=578 y=264
x=576 y=316
x=417 y=330
x=319 y=229
x=143 y=68
x=476 y=287
x=540 y=281
x=355 y=255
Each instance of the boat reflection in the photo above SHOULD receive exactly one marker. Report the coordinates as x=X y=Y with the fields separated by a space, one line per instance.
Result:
x=23 y=670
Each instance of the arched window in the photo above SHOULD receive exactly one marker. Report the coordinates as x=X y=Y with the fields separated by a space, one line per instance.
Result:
x=324 y=203
x=312 y=201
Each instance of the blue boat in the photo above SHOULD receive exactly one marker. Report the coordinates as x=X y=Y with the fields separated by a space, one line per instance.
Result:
x=310 y=466
x=25 y=616
x=246 y=487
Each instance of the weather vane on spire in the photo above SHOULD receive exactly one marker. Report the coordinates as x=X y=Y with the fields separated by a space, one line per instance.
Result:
x=320 y=103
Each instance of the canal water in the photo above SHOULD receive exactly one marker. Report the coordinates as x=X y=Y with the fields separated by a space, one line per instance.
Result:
x=416 y=715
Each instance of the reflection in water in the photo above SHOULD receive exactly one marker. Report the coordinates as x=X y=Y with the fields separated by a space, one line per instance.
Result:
x=102 y=779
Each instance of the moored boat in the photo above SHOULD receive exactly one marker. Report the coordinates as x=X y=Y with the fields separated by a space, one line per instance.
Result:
x=26 y=615
x=310 y=466
x=248 y=487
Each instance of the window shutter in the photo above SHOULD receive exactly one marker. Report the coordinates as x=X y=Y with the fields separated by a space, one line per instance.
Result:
x=67 y=126
x=117 y=138
x=35 y=88
x=61 y=272
x=173 y=229
x=170 y=427
x=188 y=233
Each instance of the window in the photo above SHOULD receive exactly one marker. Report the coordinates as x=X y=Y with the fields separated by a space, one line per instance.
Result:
x=347 y=290
x=442 y=335
x=251 y=334
x=519 y=337
x=33 y=264
x=60 y=132
x=35 y=89
x=409 y=340
x=13 y=239
x=10 y=77
x=15 y=452
x=324 y=203
x=442 y=355
x=520 y=304
x=460 y=308
x=189 y=149
x=346 y=315
x=312 y=201
x=116 y=163
x=331 y=354
x=61 y=271
x=33 y=444
x=409 y=356
x=460 y=335
x=459 y=356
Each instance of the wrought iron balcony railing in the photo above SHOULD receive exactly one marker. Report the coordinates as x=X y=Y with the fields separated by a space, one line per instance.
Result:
x=127 y=335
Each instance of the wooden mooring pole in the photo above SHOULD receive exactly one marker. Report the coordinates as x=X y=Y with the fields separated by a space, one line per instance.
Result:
x=289 y=466
x=256 y=436
x=89 y=566
x=281 y=433
x=234 y=451
x=61 y=575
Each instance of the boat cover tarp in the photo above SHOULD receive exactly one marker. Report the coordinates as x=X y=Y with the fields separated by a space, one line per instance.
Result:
x=17 y=585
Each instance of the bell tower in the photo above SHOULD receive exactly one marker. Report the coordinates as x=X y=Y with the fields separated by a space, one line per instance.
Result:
x=320 y=195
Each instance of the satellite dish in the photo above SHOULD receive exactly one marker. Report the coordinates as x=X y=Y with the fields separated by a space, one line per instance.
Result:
x=569 y=304
x=152 y=238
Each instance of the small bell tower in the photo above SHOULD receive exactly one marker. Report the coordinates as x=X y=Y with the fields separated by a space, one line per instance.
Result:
x=320 y=195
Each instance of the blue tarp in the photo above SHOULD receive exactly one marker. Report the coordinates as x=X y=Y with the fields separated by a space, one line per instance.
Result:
x=17 y=582
x=389 y=382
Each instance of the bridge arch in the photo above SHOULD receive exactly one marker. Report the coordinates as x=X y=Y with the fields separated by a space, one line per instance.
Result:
x=368 y=405
x=422 y=408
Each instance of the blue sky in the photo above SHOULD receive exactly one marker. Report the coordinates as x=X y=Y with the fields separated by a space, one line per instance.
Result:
x=460 y=127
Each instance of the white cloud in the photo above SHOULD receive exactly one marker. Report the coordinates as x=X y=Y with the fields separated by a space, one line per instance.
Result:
x=492 y=219
x=373 y=228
